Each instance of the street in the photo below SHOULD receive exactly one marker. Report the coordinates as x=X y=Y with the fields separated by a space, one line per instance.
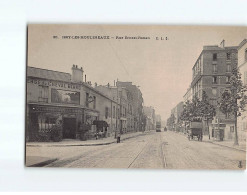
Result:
x=151 y=150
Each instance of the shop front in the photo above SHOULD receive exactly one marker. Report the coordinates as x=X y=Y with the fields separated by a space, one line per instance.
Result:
x=89 y=118
x=53 y=123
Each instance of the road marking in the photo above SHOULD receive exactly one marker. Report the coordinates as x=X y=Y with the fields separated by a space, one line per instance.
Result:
x=163 y=157
x=139 y=153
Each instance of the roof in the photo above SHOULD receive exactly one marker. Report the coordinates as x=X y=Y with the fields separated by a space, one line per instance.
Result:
x=48 y=74
x=242 y=43
x=58 y=76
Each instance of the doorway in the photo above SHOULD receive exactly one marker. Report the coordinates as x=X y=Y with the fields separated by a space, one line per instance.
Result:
x=69 y=128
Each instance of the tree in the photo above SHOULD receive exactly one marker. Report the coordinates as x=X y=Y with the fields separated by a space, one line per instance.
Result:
x=191 y=110
x=206 y=110
x=233 y=102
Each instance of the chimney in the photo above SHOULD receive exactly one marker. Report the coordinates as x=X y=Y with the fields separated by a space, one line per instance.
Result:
x=222 y=44
x=108 y=85
x=95 y=84
x=77 y=74
x=85 y=78
x=114 y=83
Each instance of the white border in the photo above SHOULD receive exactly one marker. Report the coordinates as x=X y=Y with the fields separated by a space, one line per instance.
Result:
x=14 y=16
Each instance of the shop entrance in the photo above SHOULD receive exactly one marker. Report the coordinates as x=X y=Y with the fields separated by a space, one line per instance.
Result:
x=69 y=128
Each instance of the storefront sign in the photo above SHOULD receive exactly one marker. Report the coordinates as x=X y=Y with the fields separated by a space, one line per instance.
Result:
x=55 y=109
x=54 y=83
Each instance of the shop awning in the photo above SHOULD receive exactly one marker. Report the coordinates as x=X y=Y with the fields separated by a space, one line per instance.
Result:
x=100 y=123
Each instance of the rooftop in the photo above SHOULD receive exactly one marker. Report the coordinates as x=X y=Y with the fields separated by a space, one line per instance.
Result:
x=48 y=74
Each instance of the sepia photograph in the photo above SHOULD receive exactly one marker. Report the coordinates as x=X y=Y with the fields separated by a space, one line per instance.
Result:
x=136 y=96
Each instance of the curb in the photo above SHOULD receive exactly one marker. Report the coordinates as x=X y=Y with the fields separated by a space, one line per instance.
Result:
x=225 y=146
x=93 y=144
x=43 y=163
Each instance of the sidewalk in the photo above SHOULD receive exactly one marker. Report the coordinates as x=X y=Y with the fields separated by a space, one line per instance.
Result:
x=72 y=142
x=227 y=143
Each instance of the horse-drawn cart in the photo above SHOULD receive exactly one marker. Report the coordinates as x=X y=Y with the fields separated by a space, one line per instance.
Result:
x=195 y=130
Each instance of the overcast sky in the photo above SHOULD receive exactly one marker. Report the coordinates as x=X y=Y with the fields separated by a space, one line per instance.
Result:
x=162 y=68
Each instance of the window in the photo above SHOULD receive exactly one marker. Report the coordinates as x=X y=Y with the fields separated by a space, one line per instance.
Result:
x=228 y=56
x=215 y=68
x=87 y=97
x=114 y=112
x=106 y=112
x=231 y=129
x=214 y=56
x=118 y=113
x=228 y=68
x=227 y=79
x=245 y=55
x=94 y=102
x=215 y=80
x=227 y=115
x=43 y=94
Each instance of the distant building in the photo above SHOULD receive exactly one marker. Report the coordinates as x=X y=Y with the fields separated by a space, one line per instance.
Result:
x=149 y=113
x=139 y=118
x=242 y=64
x=58 y=98
x=158 y=118
x=211 y=73
x=177 y=111
x=124 y=111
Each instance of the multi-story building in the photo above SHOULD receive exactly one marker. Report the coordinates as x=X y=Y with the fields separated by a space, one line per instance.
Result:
x=125 y=105
x=130 y=116
x=177 y=111
x=211 y=73
x=149 y=113
x=58 y=98
x=137 y=104
x=187 y=96
x=242 y=64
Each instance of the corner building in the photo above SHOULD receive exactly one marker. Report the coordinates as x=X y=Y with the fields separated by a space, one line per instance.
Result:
x=211 y=73
x=61 y=98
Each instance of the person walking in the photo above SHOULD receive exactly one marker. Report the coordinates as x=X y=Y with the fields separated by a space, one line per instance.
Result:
x=118 y=137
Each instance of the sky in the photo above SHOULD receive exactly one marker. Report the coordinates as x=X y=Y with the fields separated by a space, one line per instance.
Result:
x=162 y=68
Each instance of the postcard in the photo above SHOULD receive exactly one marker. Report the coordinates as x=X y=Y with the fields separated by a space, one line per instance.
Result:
x=136 y=96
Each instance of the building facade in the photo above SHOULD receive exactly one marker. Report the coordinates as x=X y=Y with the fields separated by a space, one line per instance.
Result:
x=65 y=101
x=187 y=96
x=242 y=65
x=137 y=104
x=125 y=106
x=149 y=113
x=177 y=111
x=211 y=73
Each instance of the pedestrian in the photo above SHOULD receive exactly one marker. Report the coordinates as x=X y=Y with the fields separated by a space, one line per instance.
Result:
x=97 y=135
x=118 y=137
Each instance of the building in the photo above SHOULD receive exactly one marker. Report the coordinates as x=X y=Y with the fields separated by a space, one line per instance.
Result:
x=125 y=105
x=65 y=101
x=187 y=96
x=242 y=64
x=149 y=113
x=137 y=104
x=177 y=111
x=211 y=73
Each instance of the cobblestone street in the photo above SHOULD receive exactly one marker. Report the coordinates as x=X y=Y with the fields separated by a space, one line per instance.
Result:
x=153 y=150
